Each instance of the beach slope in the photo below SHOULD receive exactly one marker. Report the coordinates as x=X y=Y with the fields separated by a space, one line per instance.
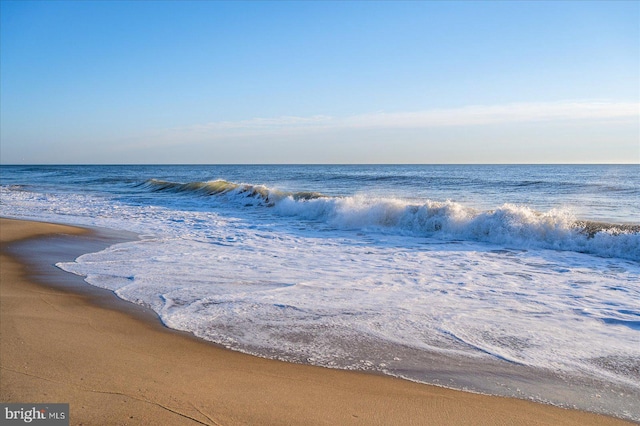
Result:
x=119 y=366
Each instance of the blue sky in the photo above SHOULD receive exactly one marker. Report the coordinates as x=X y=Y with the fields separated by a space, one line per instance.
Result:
x=320 y=82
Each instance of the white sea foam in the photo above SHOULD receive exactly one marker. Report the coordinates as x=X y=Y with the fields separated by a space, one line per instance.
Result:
x=306 y=298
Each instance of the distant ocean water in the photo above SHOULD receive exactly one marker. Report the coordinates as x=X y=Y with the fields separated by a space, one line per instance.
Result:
x=511 y=280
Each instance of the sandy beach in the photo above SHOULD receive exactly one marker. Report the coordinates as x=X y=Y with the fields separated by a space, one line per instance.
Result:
x=116 y=364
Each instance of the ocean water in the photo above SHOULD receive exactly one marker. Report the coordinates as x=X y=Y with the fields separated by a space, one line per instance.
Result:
x=510 y=280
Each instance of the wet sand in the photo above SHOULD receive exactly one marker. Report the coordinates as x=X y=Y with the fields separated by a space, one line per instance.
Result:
x=64 y=341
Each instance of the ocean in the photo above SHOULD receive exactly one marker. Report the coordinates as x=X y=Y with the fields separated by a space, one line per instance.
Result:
x=515 y=280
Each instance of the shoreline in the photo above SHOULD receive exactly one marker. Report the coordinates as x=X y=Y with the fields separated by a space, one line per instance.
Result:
x=116 y=364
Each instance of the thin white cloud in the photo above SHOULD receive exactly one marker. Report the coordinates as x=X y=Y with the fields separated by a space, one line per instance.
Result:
x=478 y=115
x=482 y=115
x=265 y=123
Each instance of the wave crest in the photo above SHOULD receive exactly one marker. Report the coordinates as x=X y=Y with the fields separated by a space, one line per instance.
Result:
x=219 y=187
x=509 y=224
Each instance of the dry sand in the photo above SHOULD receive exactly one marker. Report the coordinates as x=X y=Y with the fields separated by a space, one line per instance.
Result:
x=120 y=366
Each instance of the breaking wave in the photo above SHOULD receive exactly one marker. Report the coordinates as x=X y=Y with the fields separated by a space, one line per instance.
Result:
x=510 y=224
x=219 y=187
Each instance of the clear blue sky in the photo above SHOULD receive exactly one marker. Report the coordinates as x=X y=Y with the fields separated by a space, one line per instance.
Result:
x=320 y=82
